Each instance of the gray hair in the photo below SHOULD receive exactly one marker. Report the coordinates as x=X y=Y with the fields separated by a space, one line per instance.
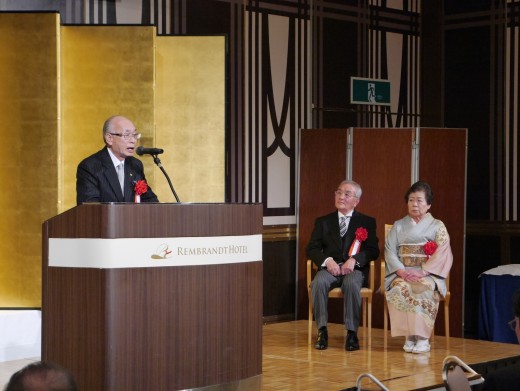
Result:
x=355 y=184
x=107 y=126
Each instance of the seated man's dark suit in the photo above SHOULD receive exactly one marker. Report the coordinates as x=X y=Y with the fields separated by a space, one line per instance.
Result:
x=96 y=180
x=326 y=242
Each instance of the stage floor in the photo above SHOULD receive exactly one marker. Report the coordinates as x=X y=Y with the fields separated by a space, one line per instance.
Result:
x=289 y=363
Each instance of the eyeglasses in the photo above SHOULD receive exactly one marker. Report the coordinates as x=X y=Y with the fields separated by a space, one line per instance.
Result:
x=128 y=136
x=347 y=194
x=512 y=324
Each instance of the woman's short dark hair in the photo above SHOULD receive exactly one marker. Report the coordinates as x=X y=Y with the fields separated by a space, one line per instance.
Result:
x=420 y=186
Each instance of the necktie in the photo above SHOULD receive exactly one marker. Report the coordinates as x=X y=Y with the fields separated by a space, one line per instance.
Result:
x=342 y=226
x=121 y=176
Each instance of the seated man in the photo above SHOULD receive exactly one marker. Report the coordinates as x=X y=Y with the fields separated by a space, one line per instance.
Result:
x=342 y=245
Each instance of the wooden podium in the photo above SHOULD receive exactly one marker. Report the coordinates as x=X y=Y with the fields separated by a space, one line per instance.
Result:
x=157 y=322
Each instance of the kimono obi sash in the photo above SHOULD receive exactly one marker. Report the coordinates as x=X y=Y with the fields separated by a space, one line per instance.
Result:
x=412 y=255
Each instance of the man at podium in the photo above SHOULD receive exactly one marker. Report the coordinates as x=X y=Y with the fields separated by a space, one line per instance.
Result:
x=114 y=174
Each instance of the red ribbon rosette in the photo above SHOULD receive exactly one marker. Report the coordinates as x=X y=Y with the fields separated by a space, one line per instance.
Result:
x=140 y=187
x=361 y=236
x=429 y=248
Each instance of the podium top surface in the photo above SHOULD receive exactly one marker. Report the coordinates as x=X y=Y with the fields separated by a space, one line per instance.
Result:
x=148 y=220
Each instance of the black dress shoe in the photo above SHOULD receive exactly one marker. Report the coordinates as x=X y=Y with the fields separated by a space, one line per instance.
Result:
x=323 y=339
x=352 y=342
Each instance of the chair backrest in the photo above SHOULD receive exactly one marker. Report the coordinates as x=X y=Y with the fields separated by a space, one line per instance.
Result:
x=310 y=266
x=454 y=374
x=388 y=227
x=382 y=289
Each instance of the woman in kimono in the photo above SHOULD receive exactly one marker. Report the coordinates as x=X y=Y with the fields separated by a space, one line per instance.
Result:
x=418 y=260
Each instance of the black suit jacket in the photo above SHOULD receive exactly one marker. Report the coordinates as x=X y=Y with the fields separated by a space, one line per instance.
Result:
x=96 y=180
x=326 y=241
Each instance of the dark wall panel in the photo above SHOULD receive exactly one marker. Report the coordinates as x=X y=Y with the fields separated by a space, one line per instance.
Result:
x=339 y=63
x=279 y=282
x=480 y=256
x=458 y=6
x=207 y=17
x=468 y=106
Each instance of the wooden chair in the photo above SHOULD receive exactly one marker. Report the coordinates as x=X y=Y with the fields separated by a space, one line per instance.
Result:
x=366 y=297
x=382 y=289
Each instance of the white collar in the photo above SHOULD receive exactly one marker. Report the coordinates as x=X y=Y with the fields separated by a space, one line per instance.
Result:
x=115 y=160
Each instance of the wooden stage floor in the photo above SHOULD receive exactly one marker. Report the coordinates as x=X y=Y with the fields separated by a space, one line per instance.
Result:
x=289 y=363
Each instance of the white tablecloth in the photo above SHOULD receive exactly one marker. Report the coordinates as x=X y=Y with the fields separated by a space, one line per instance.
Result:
x=512 y=269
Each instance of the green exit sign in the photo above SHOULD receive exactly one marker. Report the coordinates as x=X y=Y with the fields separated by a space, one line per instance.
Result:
x=369 y=91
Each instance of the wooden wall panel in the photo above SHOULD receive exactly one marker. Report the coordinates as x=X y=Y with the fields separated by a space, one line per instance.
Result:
x=382 y=165
x=442 y=163
x=323 y=156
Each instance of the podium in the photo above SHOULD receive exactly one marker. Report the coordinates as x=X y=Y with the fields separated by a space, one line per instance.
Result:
x=154 y=296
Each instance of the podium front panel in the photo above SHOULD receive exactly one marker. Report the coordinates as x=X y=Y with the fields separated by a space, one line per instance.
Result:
x=157 y=328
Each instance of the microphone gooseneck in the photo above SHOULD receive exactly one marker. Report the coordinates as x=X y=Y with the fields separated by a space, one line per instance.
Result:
x=154 y=152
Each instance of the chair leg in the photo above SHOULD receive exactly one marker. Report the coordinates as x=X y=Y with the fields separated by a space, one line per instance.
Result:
x=369 y=324
x=447 y=320
x=364 y=310
x=385 y=323
x=309 y=330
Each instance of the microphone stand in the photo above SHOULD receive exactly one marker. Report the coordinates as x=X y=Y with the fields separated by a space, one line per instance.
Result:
x=158 y=162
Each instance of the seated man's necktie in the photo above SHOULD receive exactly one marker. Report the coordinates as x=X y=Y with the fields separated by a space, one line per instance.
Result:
x=342 y=226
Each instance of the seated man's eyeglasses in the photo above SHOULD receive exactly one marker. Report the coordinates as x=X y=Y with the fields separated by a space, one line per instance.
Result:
x=128 y=136
x=512 y=324
x=347 y=194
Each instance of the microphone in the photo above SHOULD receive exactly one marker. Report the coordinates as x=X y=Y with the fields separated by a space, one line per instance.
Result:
x=154 y=152
x=148 y=151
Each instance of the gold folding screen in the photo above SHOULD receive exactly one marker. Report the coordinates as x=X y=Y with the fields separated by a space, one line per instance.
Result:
x=59 y=84
x=105 y=70
x=189 y=107
x=28 y=172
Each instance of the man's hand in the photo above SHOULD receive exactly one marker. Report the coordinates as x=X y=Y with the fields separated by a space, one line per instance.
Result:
x=348 y=266
x=333 y=268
